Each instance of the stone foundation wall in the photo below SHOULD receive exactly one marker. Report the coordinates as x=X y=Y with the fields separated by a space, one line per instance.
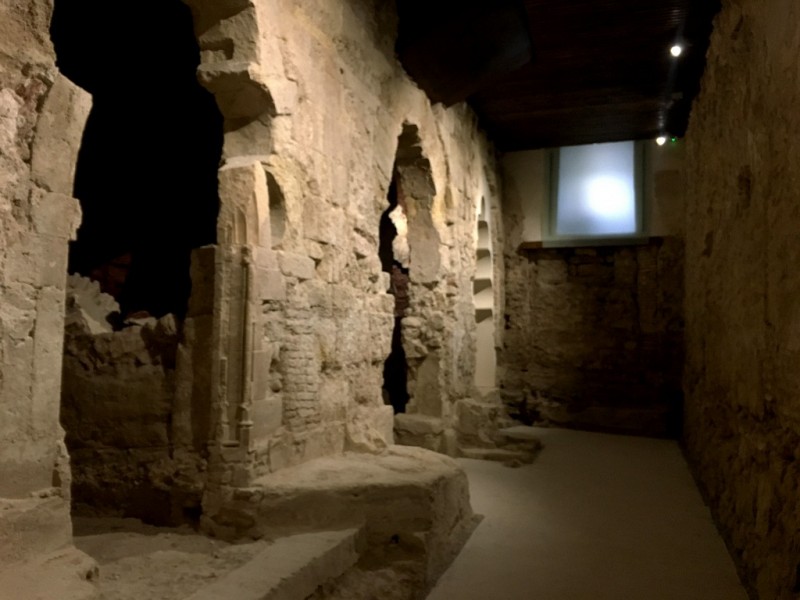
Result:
x=593 y=337
x=742 y=381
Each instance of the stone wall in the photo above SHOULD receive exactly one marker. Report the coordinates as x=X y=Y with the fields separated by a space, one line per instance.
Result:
x=315 y=105
x=594 y=337
x=742 y=382
x=41 y=119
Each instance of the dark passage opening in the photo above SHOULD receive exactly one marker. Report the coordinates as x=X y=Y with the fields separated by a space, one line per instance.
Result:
x=146 y=179
x=395 y=369
x=147 y=170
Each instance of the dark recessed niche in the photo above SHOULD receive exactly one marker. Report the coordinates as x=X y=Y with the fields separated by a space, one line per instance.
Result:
x=146 y=176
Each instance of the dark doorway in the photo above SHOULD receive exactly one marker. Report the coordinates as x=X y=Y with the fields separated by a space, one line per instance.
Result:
x=147 y=170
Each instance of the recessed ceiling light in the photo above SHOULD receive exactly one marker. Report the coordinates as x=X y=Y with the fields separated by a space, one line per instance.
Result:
x=661 y=140
x=676 y=50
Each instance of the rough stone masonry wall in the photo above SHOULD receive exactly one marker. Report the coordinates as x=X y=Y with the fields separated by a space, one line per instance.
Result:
x=41 y=120
x=118 y=407
x=594 y=337
x=313 y=94
x=742 y=380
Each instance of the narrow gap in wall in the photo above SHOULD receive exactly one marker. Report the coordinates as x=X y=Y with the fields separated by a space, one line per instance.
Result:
x=146 y=179
x=395 y=369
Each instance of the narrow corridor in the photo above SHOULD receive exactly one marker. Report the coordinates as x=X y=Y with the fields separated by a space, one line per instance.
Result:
x=595 y=517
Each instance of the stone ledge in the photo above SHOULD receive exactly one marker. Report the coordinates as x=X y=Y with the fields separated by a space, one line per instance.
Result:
x=413 y=505
x=292 y=568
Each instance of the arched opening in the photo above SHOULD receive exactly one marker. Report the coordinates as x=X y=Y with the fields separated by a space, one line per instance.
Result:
x=394 y=261
x=146 y=176
x=146 y=179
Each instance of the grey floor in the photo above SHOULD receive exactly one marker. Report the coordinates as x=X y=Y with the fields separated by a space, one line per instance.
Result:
x=595 y=517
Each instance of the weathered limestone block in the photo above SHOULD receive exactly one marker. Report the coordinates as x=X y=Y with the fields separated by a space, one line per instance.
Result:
x=54 y=214
x=362 y=433
x=239 y=88
x=296 y=265
x=88 y=309
x=271 y=285
x=419 y=430
x=58 y=135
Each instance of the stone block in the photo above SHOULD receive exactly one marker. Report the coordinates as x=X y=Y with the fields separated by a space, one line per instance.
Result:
x=417 y=424
x=38 y=260
x=265 y=258
x=59 y=132
x=47 y=357
x=55 y=215
x=296 y=265
x=244 y=204
x=270 y=284
x=324 y=223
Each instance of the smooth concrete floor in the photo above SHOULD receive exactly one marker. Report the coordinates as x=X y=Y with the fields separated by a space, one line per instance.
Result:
x=596 y=517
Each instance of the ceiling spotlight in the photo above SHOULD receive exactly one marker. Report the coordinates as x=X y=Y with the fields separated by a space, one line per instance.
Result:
x=661 y=140
x=676 y=50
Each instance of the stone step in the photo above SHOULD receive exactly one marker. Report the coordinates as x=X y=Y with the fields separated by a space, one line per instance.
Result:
x=291 y=568
x=413 y=505
x=520 y=433
x=503 y=455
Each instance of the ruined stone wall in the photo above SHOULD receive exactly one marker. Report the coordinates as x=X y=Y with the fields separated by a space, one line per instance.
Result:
x=594 y=337
x=41 y=119
x=742 y=382
x=120 y=411
x=314 y=97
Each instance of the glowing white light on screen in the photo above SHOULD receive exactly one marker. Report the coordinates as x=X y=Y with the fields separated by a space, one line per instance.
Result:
x=661 y=140
x=610 y=197
x=676 y=50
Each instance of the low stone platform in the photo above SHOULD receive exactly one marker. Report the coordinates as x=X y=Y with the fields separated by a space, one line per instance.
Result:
x=412 y=503
x=139 y=561
x=513 y=446
x=66 y=574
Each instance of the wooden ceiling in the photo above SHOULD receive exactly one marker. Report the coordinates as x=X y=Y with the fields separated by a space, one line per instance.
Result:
x=566 y=71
